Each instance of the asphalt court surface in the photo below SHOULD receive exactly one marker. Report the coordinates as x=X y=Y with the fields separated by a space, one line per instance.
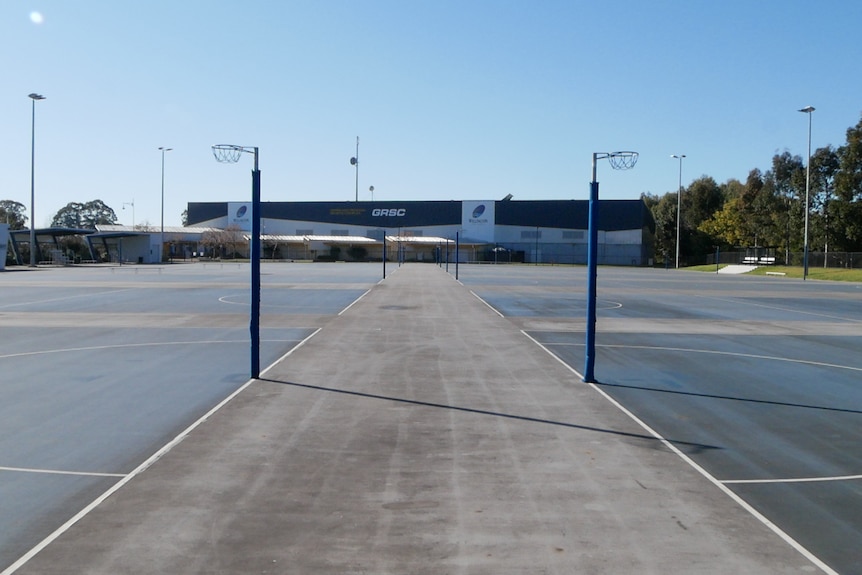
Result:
x=762 y=374
x=753 y=379
x=102 y=366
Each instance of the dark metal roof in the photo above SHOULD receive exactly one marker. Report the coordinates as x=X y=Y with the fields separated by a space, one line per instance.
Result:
x=572 y=214
x=25 y=233
x=566 y=214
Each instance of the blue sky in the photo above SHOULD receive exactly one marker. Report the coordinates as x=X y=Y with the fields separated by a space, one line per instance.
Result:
x=469 y=99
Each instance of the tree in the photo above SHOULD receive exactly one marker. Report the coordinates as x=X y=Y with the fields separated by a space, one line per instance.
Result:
x=824 y=167
x=847 y=222
x=85 y=216
x=700 y=201
x=768 y=210
x=12 y=213
x=664 y=214
x=757 y=204
x=725 y=228
x=226 y=242
x=787 y=182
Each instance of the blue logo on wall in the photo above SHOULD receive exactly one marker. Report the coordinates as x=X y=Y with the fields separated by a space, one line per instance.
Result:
x=243 y=209
x=480 y=209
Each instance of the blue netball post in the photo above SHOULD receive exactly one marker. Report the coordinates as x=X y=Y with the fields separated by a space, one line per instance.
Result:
x=618 y=161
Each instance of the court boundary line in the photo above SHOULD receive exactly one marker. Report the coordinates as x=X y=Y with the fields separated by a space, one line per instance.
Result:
x=778 y=308
x=694 y=465
x=708 y=351
x=63 y=298
x=351 y=304
x=147 y=344
x=495 y=310
x=60 y=472
x=792 y=480
x=147 y=463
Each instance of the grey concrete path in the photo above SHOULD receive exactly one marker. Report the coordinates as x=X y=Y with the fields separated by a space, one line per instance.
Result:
x=419 y=432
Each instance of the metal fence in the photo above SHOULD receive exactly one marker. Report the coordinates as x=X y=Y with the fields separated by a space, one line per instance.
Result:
x=842 y=260
x=556 y=254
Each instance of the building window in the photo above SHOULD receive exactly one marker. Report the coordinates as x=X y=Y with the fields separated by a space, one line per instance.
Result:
x=531 y=234
x=339 y=233
x=308 y=232
x=573 y=235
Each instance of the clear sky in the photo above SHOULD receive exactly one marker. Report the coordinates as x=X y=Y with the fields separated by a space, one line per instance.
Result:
x=451 y=99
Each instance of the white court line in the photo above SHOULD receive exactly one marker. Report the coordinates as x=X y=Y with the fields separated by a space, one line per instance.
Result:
x=60 y=472
x=290 y=351
x=138 y=470
x=495 y=310
x=792 y=480
x=726 y=490
x=714 y=352
x=123 y=481
x=269 y=306
x=131 y=345
x=616 y=305
x=766 y=357
x=64 y=298
x=779 y=308
x=354 y=302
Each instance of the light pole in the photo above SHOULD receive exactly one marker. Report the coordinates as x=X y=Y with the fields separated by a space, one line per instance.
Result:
x=132 y=203
x=678 y=204
x=354 y=161
x=33 y=247
x=162 y=233
x=807 y=110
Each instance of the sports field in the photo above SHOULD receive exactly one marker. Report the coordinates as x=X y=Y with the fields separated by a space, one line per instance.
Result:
x=726 y=419
x=754 y=380
x=102 y=366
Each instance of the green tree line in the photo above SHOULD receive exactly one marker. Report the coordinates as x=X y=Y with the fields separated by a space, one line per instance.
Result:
x=85 y=215
x=768 y=208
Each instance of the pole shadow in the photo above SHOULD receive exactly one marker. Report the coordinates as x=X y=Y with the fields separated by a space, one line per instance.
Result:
x=686 y=446
x=729 y=398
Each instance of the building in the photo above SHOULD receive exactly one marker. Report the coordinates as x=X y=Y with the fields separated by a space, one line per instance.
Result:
x=540 y=231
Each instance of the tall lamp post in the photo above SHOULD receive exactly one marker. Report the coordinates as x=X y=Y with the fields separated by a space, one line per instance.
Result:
x=354 y=161
x=132 y=203
x=33 y=247
x=162 y=232
x=807 y=110
x=678 y=204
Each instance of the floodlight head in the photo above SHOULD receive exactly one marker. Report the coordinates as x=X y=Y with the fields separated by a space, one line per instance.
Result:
x=807 y=109
x=677 y=156
x=34 y=96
